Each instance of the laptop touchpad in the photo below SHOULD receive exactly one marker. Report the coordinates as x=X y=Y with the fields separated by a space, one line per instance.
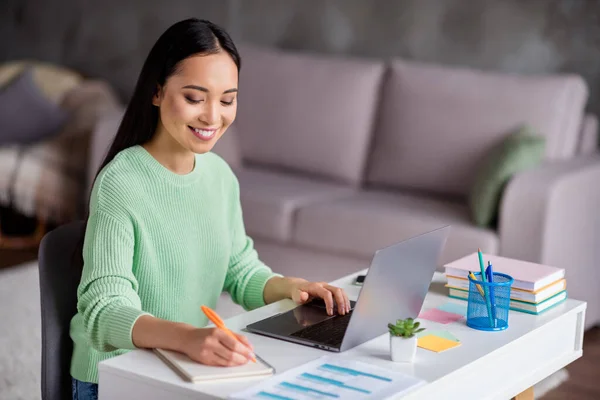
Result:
x=308 y=314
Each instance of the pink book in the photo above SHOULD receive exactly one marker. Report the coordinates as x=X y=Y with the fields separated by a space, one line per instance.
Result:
x=527 y=275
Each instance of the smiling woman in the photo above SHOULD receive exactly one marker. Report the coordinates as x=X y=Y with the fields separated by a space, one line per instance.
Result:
x=165 y=233
x=196 y=104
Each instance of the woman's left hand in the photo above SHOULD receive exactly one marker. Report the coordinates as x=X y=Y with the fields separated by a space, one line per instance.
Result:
x=302 y=291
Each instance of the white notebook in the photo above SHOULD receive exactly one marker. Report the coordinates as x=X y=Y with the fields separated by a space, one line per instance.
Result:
x=195 y=372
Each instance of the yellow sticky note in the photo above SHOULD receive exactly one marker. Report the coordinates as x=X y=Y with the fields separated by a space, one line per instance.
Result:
x=436 y=343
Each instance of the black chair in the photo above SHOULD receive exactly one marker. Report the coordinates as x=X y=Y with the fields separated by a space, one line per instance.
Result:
x=59 y=278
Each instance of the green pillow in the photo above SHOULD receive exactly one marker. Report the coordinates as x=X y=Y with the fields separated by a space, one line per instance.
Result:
x=518 y=152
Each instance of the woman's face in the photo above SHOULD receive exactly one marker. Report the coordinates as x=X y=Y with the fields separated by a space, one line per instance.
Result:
x=199 y=102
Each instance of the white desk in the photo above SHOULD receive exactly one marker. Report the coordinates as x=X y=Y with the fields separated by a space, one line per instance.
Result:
x=488 y=365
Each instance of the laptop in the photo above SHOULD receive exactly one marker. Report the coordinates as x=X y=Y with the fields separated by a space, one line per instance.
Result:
x=394 y=288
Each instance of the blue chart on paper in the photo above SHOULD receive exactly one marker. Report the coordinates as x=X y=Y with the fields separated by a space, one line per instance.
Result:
x=329 y=379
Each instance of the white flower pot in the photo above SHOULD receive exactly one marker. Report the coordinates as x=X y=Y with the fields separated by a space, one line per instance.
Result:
x=403 y=349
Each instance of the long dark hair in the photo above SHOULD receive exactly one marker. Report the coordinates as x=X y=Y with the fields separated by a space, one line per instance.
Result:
x=183 y=39
x=180 y=41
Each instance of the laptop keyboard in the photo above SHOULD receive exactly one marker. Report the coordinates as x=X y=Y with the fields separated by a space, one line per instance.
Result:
x=329 y=332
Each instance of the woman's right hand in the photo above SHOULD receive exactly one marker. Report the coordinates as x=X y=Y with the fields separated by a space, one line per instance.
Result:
x=213 y=346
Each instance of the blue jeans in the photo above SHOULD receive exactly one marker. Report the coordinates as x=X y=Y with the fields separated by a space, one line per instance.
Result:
x=84 y=390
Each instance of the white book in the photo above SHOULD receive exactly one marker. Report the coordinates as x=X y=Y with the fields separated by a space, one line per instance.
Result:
x=193 y=371
x=527 y=275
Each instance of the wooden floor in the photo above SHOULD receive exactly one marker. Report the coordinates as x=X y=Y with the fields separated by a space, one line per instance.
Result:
x=584 y=374
x=9 y=258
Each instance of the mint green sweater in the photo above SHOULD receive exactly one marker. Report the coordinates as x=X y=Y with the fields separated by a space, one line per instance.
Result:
x=162 y=244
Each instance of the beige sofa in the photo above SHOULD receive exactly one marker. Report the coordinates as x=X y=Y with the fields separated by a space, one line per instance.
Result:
x=338 y=157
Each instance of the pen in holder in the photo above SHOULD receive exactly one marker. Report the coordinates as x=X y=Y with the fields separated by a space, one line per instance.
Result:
x=497 y=302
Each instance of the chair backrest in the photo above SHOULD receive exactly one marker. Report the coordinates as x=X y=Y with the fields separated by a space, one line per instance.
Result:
x=59 y=279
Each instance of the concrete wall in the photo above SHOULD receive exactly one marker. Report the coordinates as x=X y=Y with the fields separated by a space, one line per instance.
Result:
x=111 y=38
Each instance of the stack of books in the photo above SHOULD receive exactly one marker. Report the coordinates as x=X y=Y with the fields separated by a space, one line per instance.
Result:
x=536 y=288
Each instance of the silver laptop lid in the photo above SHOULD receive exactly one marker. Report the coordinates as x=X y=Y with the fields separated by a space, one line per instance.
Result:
x=395 y=286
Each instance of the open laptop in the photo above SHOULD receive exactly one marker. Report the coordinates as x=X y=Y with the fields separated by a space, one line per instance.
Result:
x=394 y=288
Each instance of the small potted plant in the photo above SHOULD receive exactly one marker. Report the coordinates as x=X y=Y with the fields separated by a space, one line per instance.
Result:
x=403 y=339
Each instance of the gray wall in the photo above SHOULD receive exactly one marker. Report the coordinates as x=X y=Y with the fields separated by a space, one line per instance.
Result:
x=110 y=38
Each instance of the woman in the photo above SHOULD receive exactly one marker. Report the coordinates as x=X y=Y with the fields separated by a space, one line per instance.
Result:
x=165 y=233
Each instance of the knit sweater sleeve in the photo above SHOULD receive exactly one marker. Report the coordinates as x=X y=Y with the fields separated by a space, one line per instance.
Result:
x=107 y=294
x=247 y=274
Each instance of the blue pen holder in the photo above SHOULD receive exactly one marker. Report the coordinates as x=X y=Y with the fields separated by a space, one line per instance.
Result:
x=490 y=311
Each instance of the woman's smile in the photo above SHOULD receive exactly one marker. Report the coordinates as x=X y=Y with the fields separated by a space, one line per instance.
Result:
x=203 y=134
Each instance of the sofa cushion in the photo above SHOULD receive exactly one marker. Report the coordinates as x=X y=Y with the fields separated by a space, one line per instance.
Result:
x=307 y=113
x=368 y=221
x=53 y=80
x=26 y=115
x=437 y=123
x=228 y=148
x=314 y=265
x=517 y=153
x=269 y=200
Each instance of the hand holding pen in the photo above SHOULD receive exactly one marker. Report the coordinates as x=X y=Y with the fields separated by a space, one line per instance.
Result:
x=216 y=346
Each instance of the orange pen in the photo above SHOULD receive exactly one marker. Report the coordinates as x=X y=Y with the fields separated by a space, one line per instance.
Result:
x=215 y=319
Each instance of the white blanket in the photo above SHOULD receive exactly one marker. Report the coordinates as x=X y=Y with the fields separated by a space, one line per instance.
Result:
x=47 y=180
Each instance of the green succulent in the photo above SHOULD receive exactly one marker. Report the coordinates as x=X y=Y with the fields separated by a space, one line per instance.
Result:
x=406 y=328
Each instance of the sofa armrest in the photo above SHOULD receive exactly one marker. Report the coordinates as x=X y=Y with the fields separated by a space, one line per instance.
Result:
x=102 y=136
x=86 y=104
x=588 y=138
x=551 y=215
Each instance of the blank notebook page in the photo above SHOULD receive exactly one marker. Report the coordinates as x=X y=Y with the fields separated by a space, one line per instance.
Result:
x=196 y=372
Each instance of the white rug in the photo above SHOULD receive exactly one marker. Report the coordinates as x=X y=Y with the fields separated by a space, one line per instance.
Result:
x=20 y=335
